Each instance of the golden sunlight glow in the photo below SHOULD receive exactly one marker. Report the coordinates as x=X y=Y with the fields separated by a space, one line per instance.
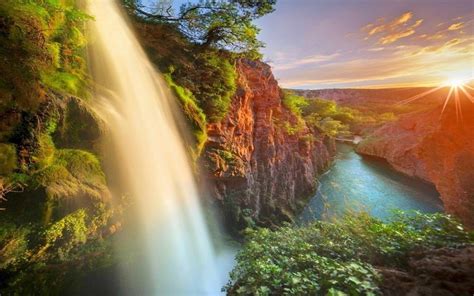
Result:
x=457 y=87
x=455 y=82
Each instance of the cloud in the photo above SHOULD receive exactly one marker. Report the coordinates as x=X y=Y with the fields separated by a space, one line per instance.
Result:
x=375 y=49
x=407 y=64
x=456 y=26
x=394 y=30
x=400 y=34
x=309 y=60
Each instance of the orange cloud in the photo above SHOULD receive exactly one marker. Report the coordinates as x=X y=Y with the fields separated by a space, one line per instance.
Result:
x=400 y=34
x=374 y=29
x=456 y=26
x=394 y=30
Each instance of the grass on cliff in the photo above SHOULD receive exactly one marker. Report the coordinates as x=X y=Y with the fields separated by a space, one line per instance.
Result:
x=337 y=258
x=204 y=80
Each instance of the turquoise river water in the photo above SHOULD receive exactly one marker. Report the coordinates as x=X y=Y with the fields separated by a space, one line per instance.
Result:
x=355 y=183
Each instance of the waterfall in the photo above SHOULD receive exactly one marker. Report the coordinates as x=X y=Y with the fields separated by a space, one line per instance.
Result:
x=178 y=257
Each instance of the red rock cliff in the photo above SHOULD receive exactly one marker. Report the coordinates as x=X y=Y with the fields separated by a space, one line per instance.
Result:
x=437 y=149
x=260 y=170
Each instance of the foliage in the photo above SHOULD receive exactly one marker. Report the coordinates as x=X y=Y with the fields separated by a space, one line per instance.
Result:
x=72 y=173
x=8 y=159
x=41 y=46
x=47 y=259
x=194 y=114
x=329 y=117
x=66 y=233
x=216 y=24
x=218 y=84
x=295 y=104
x=337 y=258
x=13 y=243
x=203 y=79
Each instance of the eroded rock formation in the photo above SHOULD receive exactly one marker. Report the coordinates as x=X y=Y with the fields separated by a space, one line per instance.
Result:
x=435 y=148
x=262 y=167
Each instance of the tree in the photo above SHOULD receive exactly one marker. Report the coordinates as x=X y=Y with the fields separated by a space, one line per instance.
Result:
x=224 y=24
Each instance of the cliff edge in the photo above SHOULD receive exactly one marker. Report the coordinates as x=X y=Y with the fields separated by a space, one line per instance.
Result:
x=261 y=166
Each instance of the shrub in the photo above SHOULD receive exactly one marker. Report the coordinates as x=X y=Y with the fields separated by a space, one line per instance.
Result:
x=217 y=84
x=295 y=103
x=335 y=258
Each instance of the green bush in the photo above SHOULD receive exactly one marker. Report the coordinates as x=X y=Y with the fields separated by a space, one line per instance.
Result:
x=337 y=258
x=295 y=103
x=330 y=118
x=217 y=84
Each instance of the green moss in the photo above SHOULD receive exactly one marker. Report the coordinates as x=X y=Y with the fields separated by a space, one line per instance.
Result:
x=67 y=233
x=228 y=156
x=13 y=243
x=41 y=48
x=72 y=173
x=193 y=113
x=8 y=159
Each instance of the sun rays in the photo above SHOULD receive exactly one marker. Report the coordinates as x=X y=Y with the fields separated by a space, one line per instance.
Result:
x=459 y=89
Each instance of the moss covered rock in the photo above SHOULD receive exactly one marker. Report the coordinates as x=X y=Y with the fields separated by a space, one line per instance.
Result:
x=8 y=159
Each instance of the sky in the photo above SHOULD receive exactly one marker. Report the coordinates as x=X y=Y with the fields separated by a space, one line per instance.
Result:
x=315 y=44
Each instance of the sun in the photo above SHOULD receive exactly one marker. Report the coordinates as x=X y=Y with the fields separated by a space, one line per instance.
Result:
x=455 y=82
x=458 y=88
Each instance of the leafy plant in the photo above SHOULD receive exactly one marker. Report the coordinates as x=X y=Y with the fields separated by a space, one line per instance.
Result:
x=337 y=258
x=212 y=24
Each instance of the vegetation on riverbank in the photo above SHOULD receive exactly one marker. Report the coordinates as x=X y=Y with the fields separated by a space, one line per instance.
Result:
x=339 y=258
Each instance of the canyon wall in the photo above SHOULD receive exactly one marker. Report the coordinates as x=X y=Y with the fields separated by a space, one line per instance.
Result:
x=436 y=148
x=261 y=169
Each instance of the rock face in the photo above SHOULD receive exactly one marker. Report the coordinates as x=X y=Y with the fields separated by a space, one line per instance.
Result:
x=435 y=148
x=438 y=272
x=261 y=170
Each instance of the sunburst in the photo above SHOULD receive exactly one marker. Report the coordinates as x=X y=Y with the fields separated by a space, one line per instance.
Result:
x=456 y=85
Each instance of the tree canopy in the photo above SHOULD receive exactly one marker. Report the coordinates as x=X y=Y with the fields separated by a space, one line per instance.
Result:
x=225 y=24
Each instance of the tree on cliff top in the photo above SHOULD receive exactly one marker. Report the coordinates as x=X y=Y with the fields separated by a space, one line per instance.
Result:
x=224 y=24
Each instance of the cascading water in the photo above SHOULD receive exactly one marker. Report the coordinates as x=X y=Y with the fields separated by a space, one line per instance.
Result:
x=177 y=251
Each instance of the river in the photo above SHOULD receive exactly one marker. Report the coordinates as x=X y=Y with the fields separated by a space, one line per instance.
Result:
x=355 y=183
